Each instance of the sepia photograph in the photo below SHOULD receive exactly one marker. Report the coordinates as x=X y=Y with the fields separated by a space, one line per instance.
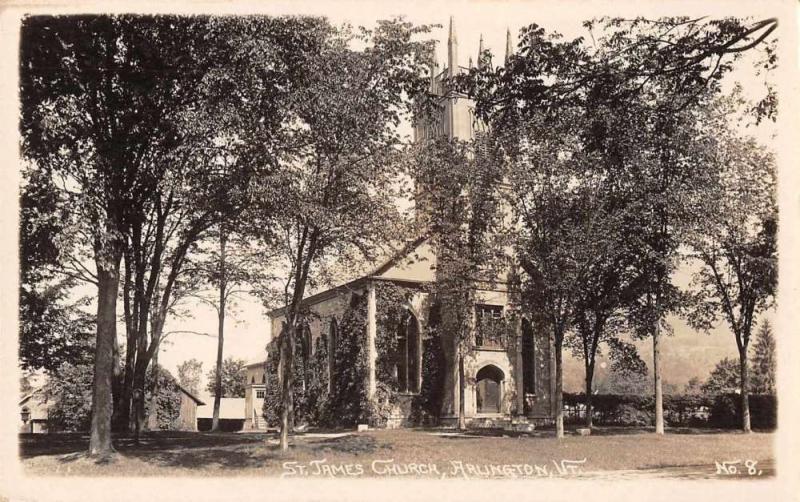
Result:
x=495 y=249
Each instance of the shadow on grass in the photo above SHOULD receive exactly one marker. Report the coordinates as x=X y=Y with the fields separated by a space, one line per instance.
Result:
x=75 y=443
x=198 y=449
x=351 y=444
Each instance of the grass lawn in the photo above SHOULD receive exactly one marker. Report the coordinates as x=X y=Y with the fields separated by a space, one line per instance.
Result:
x=608 y=452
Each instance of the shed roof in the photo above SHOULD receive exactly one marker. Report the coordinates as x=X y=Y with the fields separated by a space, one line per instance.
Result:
x=229 y=408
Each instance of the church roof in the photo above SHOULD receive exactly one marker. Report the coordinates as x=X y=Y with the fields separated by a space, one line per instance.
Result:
x=375 y=274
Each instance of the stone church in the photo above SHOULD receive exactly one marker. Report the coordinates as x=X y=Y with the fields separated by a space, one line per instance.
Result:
x=507 y=377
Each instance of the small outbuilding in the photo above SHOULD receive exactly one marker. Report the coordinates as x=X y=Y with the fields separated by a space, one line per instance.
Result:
x=33 y=412
x=231 y=414
x=187 y=416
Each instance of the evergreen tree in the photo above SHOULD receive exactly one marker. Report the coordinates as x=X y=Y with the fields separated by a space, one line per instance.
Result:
x=764 y=361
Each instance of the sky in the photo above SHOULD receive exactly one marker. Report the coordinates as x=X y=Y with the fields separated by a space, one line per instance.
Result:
x=686 y=354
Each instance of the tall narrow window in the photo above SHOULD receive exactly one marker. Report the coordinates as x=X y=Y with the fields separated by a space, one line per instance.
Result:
x=528 y=358
x=408 y=353
x=305 y=341
x=331 y=352
x=306 y=351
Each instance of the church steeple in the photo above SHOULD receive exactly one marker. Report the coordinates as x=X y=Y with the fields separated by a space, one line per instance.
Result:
x=452 y=50
x=480 y=52
x=509 y=47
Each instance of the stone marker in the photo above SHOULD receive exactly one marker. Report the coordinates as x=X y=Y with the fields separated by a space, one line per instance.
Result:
x=584 y=432
x=363 y=427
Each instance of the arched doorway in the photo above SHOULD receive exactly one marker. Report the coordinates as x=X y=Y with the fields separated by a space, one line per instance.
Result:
x=489 y=389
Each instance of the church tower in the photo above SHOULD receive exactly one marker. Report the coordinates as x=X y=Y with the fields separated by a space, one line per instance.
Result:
x=454 y=117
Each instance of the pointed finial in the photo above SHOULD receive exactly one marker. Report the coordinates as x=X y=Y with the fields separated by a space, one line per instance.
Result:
x=480 y=52
x=470 y=62
x=509 y=47
x=452 y=50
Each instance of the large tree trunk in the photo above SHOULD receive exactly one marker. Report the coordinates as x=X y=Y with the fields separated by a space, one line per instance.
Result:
x=139 y=384
x=152 y=418
x=744 y=389
x=102 y=399
x=287 y=385
x=589 y=377
x=220 y=332
x=122 y=405
x=218 y=376
x=462 y=419
x=116 y=386
x=659 y=398
x=559 y=388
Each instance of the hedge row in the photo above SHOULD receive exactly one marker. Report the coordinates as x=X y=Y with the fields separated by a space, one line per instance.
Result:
x=722 y=411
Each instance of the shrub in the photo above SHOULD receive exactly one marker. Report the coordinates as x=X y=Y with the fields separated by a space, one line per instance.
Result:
x=726 y=411
x=630 y=414
x=69 y=395
x=168 y=399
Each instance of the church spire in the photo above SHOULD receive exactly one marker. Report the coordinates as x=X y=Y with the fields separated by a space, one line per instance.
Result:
x=509 y=47
x=480 y=52
x=452 y=50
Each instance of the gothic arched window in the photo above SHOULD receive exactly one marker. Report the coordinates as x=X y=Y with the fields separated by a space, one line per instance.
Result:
x=408 y=353
x=528 y=358
x=332 y=335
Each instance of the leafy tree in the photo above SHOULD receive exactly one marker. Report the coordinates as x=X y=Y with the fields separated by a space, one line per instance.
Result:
x=724 y=378
x=131 y=116
x=651 y=75
x=68 y=390
x=337 y=181
x=230 y=270
x=622 y=382
x=736 y=246
x=210 y=183
x=53 y=327
x=98 y=93
x=189 y=374
x=69 y=395
x=232 y=378
x=693 y=387
x=163 y=410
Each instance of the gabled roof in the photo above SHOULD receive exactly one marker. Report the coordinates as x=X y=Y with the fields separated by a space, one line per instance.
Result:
x=390 y=262
x=400 y=254
x=194 y=398
x=29 y=395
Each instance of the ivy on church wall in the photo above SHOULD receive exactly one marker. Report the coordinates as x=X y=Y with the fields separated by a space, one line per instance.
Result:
x=347 y=404
x=427 y=405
